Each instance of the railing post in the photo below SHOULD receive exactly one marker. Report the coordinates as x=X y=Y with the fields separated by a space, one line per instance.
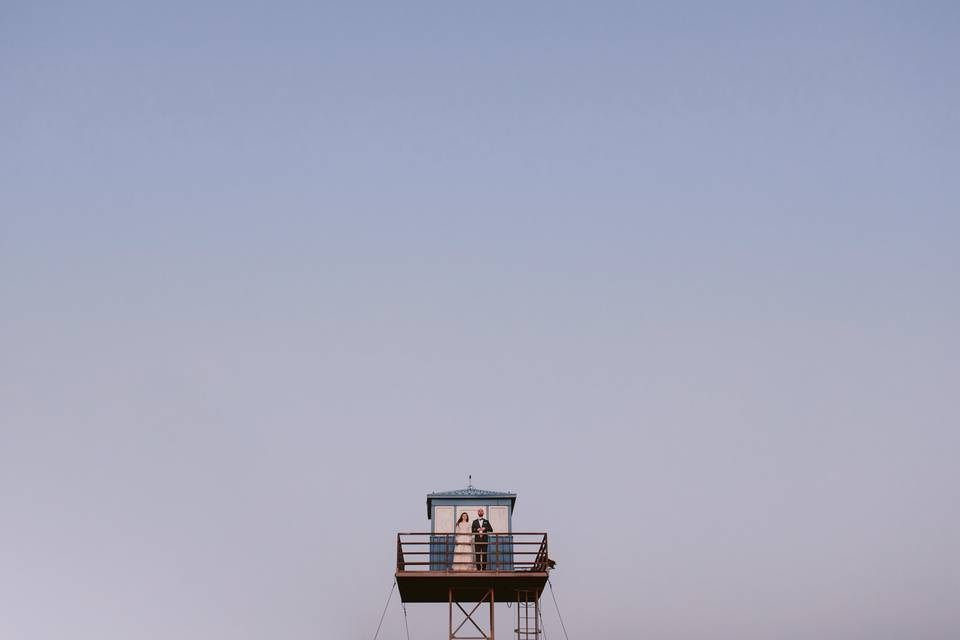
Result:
x=399 y=554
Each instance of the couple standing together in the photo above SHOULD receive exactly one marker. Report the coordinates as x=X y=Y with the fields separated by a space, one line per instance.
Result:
x=471 y=542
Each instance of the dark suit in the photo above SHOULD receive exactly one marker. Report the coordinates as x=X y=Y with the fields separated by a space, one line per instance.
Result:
x=480 y=542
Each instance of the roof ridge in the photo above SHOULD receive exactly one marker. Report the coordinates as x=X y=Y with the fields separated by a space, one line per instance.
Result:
x=472 y=491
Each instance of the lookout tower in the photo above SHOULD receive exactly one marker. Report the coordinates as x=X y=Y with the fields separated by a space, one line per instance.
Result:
x=469 y=567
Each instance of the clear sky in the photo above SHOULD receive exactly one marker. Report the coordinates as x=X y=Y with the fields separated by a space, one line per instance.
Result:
x=682 y=275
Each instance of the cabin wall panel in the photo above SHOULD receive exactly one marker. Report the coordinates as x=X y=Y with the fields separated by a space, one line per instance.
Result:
x=499 y=518
x=443 y=519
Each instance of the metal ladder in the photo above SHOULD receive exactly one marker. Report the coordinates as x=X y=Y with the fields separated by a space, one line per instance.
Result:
x=528 y=615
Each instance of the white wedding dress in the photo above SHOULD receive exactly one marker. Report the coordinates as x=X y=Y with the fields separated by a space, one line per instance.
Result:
x=463 y=559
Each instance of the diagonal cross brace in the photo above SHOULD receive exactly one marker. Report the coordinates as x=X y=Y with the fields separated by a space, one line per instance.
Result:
x=468 y=616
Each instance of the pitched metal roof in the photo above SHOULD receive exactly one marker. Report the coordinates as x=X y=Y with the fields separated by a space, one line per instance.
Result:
x=470 y=492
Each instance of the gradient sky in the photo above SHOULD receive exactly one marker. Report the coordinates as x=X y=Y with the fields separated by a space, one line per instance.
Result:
x=682 y=275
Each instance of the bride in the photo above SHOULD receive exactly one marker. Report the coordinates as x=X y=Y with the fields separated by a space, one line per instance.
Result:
x=463 y=552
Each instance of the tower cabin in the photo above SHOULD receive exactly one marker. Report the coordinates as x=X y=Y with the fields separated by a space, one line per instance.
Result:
x=486 y=562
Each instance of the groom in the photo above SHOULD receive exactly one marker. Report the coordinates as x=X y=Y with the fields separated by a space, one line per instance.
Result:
x=481 y=527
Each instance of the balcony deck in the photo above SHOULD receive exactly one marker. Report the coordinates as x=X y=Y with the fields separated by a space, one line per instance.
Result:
x=434 y=586
x=425 y=567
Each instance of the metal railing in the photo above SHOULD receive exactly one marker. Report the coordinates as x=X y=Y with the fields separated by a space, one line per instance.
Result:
x=501 y=552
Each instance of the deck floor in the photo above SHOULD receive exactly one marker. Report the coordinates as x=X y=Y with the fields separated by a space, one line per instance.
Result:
x=468 y=586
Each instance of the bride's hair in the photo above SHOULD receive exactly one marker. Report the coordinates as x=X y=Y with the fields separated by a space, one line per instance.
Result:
x=462 y=516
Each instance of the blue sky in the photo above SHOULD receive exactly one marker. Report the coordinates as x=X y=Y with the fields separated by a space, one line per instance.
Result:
x=273 y=271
